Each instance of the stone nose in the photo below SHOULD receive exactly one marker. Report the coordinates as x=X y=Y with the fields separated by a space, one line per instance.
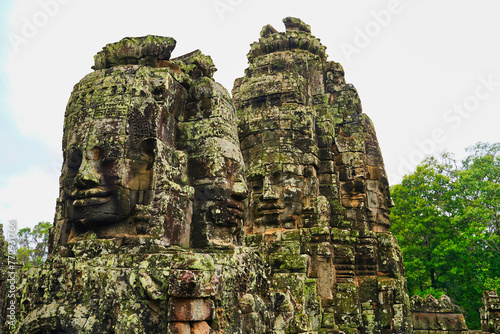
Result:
x=268 y=191
x=88 y=174
x=239 y=191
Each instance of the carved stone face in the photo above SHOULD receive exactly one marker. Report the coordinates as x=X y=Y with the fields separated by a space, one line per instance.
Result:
x=104 y=175
x=282 y=196
x=282 y=177
x=276 y=198
x=223 y=199
x=220 y=192
x=208 y=134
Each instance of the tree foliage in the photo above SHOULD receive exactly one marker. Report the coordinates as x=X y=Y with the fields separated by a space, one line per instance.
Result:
x=33 y=245
x=447 y=220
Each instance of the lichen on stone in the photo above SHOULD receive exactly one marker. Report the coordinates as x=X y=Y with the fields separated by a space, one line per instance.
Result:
x=184 y=209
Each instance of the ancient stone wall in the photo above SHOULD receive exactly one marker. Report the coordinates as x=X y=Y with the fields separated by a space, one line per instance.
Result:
x=165 y=292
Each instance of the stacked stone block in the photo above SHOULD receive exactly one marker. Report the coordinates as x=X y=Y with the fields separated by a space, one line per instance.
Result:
x=354 y=261
x=93 y=288
x=431 y=315
x=309 y=251
x=490 y=312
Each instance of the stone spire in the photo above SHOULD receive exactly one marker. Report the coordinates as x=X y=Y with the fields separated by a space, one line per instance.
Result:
x=183 y=210
x=148 y=229
x=315 y=169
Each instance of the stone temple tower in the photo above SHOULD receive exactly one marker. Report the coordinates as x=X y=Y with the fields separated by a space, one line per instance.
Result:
x=315 y=172
x=184 y=210
x=147 y=235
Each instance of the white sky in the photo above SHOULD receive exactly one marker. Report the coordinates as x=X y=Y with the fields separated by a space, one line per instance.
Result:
x=428 y=72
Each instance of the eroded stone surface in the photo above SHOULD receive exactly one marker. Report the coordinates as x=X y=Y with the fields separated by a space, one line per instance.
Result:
x=490 y=313
x=150 y=50
x=436 y=315
x=318 y=192
x=152 y=168
x=123 y=292
x=121 y=172
x=183 y=210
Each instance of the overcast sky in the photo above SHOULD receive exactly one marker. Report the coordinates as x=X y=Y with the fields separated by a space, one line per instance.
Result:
x=428 y=72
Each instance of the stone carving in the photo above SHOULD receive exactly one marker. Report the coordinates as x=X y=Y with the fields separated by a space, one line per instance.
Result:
x=125 y=174
x=436 y=315
x=121 y=169
x=315 y=167
x=208 y=134
x=152 y=168
x=490 y=312
x=183 y=210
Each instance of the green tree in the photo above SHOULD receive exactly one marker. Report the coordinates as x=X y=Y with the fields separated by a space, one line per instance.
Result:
x=447 y=218
x=33 y=245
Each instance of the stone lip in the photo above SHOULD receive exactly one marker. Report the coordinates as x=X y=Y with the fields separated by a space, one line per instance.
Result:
x=147 y=50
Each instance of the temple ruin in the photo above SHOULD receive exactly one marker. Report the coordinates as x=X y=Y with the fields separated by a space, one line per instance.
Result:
x=185 y=209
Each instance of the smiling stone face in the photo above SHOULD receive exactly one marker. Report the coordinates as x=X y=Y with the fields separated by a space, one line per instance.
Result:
x=280 y=149
x=151 y=150
x=277 y=196
x=119 y=156
x=105 y=178
x=216 y=170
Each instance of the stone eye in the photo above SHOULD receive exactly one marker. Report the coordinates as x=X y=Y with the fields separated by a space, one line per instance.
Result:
x=107 y=161
x=257 y=184
x=210 y=192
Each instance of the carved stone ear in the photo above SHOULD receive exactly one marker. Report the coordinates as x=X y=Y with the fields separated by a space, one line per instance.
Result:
x=147 y=148
x=142 y=218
